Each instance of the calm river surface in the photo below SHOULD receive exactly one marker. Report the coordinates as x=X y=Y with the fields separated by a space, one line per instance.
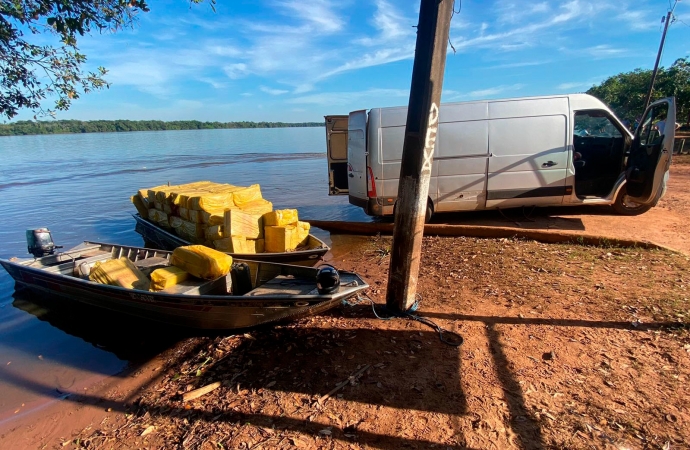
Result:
x=79 y=186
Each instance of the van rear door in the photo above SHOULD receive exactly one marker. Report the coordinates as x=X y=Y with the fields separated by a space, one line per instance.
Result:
x=336 y=152
x=650 y=153
x=357 y=155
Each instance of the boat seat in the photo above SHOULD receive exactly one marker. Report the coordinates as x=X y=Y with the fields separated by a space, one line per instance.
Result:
x=148 y=265
x=285 y=285
x=193 y=286
x=82 y=267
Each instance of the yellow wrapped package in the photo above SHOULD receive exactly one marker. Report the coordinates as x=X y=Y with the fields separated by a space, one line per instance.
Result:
x=257 y=207
x=151 y=193
x=159 y=217
x=260 y=245
x=184 y=213
x=140 y=205
x=215 y=218
x=214 y=232
x=280 y=217
x=166 y=277
x=242 y=196
x=201 y=261
x=286 y=238
x=301 y=235
x=239 y=223
x=232 y=244
x=119 y=272
x=279 y=239
x=186 y=228
x=211 y=201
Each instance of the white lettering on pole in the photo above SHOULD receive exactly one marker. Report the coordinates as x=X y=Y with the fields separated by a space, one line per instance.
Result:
x=430 y=140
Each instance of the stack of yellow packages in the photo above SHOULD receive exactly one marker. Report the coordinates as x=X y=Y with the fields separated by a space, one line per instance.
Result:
x=283 y=231
x=222 y=216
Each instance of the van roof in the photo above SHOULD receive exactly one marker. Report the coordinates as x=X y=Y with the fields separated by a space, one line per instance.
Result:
x=577 y=101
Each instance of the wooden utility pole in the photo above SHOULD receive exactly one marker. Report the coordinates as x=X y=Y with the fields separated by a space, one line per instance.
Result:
x=658 y=57
x=418 y=151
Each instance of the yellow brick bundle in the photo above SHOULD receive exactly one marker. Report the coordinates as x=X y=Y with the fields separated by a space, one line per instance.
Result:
x=228 y=218
x=119 y=272
x=167 y=277
x=286 y=237
x=201 y=261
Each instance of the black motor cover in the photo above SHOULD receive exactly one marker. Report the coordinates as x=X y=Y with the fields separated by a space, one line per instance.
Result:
x=241 y=279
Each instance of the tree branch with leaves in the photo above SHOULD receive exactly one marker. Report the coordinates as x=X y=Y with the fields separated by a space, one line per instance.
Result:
x=30 y=73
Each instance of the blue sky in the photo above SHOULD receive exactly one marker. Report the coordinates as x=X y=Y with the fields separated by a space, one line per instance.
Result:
x=298 y=60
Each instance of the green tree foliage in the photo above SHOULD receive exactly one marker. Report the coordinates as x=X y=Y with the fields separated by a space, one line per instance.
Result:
x=30 y=72
x=626 y=92
x=109 y=126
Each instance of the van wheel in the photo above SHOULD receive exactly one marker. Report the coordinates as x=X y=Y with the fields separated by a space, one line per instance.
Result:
x=427 y=215
x=429 y=212
x=626 y=207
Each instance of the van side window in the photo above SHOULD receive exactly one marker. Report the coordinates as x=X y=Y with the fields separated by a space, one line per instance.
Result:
x=590 y=124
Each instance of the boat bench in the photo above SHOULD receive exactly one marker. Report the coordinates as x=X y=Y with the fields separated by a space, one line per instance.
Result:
x=194 y=286
x=285 y=285
x=79 y=266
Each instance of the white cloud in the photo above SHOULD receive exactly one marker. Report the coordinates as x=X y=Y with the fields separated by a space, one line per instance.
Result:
x=318 y=13
x=345 y=98
x=390 y=23
x=573 y=85
x=605 y=51
x=151 y=77
x=214 y=83
x=639 y=20
x=490 y=92
x=519 y=64
x=235 y=71
x=273 y=91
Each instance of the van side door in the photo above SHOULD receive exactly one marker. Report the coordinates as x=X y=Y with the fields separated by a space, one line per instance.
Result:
x=336 y=153
x=650 y=153
x=462 y=153
x=528 y=152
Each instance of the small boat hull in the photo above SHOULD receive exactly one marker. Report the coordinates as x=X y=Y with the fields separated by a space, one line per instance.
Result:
x=165 y=240
x=206 y=312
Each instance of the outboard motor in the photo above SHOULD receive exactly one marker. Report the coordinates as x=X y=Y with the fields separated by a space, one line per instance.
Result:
x=327 y=280
x=40 y=242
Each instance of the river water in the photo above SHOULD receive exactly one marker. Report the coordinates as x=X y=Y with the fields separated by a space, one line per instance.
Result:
x=79 y=186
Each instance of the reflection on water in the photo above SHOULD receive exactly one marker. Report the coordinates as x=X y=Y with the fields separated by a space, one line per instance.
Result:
x=79 y=186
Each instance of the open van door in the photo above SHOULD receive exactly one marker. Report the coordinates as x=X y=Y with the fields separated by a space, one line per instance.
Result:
x=336 y=151
x=650 y=153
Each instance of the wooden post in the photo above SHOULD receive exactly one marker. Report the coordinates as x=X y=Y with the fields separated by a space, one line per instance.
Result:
x=656 y=64
x=418 y=151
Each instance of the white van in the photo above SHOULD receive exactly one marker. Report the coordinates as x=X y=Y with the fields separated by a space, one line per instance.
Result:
x=537 y=151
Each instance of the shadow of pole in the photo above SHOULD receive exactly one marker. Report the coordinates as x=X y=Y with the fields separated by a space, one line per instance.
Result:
x=523 y=424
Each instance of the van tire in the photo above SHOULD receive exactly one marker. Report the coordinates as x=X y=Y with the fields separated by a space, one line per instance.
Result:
x=427 y=215
x=624 y=209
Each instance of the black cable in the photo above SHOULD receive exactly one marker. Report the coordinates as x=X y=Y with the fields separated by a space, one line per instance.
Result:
x=420 y=319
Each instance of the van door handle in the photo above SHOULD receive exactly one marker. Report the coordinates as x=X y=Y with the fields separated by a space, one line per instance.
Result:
x=549 y=164
x=351 y=175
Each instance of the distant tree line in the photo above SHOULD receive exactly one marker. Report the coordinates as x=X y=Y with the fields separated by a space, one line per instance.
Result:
x=25 y=127
x=626 y=92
